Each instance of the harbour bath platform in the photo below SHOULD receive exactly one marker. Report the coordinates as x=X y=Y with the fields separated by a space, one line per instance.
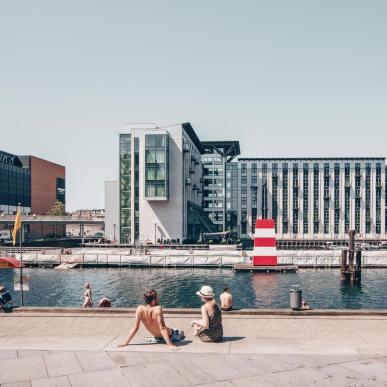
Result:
x=74 y=347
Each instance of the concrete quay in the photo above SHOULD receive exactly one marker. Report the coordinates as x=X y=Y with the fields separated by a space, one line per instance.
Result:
x=164 y=258
x=71 y=348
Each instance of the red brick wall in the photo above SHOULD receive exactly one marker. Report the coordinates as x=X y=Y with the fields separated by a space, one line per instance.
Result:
x=43 y=184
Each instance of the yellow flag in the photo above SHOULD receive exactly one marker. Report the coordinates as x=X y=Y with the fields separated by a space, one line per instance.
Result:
x=17 y=226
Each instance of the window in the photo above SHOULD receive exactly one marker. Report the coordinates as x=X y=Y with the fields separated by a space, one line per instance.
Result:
x=156 y=165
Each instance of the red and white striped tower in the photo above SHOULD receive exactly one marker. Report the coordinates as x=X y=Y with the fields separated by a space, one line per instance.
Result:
x=265 y=250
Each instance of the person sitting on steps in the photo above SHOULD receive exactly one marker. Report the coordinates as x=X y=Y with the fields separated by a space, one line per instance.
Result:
x=151 y=315
x=209 y=328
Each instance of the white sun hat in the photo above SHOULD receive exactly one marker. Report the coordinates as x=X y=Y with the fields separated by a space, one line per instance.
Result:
x=206 y=292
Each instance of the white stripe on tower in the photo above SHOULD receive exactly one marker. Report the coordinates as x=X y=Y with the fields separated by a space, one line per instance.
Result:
x=264 y=233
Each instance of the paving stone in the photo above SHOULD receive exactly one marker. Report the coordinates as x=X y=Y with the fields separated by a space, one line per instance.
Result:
x=190 y=371
x=29 y=353
x=371 y=370
x=139 y=376
x=26 y=383
x=17 y=370
x=252 y=381
x=94 y=361
x=104 y=378
x=218 y=368
x=62 y=364
x=60 y=381
x=122 y=359
x=218 y=384
x=167 y=375
x=8 y=354
x=319 y=376
x=247 y=365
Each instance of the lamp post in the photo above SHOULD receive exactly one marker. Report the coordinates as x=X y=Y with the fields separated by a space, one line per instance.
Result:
x=114 y=232
x=155 y=223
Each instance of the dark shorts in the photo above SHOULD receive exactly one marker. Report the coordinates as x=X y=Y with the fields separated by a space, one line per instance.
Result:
x=211 y=336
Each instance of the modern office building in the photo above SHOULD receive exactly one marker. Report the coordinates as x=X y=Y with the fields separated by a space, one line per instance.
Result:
x=217 y=183
x=174 y=186
x=48 y=183
x=34 y=183
x=15 y=184
x=161 y=185
x=316 y=198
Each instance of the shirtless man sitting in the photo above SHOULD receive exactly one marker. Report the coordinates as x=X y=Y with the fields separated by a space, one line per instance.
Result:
x=151 y=315
x=226 y=300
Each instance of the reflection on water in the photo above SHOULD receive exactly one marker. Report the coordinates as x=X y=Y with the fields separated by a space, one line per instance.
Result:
x=177 y=287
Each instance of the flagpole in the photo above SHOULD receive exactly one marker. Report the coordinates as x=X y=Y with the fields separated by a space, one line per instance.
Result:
x=21 y=260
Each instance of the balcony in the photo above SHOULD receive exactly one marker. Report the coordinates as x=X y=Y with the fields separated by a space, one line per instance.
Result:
x=191 y=171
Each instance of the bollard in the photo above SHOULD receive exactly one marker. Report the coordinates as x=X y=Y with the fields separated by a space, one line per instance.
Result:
x=295 y=297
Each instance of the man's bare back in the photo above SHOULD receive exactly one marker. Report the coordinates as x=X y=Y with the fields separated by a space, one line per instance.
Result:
x=151 y=315
x=226 y=300
x=153 y=319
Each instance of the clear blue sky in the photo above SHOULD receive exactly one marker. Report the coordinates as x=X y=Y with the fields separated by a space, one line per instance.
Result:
x=285 y=78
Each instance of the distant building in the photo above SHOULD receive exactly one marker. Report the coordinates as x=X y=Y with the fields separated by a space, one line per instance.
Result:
x=48 y=183
x=218 y=189
x=15 y=184
x=313 y=198
x=174 y=186
x=161 y=185
x=112 y=210
x=34 y=183
x=89 y=229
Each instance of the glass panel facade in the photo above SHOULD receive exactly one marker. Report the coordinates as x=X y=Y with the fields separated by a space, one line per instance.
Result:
x=15 y=182
x=156 y=166
x=61 y=190
x=368 y=198
x=125 y=188
x=285 y=184
x=305 y=198
x=316 y=198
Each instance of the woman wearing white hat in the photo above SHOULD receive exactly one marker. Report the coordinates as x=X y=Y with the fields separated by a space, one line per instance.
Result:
x=209 y=328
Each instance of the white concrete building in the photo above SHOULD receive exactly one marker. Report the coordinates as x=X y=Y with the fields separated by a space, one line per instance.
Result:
x=112 y=210
x=316 y=198
x=161 y=185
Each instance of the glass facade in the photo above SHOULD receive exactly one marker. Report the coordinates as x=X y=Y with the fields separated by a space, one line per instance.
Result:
x=232 y=197
x=357 y=196
x=305 y=198
x=264 y=204
x=316 y=198
x=15 y=182
x=274 y=198
x=347 y=198
x=295 y=198
x=326 y=197
x=285 y=194
x=368 y=198
x=125 y=188
x=378 y=204
x=61 y=190
x=336 y=198
x=156 y=166
x=136 y=188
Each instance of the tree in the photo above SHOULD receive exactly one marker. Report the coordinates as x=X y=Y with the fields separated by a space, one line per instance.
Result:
x=57 y=209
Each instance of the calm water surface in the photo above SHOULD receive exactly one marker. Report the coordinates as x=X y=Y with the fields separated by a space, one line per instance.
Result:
x=177 y=287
